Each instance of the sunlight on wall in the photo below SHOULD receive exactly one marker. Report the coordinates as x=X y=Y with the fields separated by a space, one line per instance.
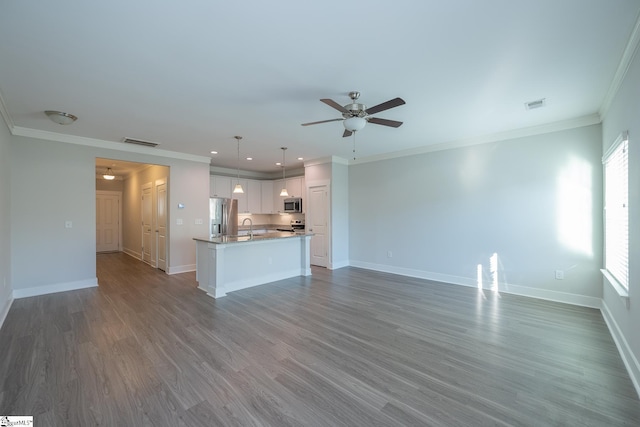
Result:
x=574 y=207
x=494 y=266
x=493 y=269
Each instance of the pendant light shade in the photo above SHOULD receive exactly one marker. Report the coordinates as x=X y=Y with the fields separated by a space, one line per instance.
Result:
x=238 y=188
x=283 y=192
x=108 y=175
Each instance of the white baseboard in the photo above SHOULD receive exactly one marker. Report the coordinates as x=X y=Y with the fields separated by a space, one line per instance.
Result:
x=629 y=359
x=5 y=310
x=338 y=264
x=56 y=287
x=567 y=298
x=133 y=254
x=181 y=269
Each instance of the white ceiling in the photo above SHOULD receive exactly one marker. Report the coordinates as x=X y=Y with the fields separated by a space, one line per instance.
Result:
x=190 y=75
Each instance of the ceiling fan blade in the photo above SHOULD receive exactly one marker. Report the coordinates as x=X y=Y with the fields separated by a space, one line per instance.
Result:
x=334 y=104
x=395 y=102
x=384 y=122
x=322 y=121
x=347 y=133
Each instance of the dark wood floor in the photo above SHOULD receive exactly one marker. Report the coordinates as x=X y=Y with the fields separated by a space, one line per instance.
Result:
x=348 y=347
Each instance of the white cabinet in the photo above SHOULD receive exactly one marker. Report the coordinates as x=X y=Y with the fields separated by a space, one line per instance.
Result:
x=259 y=197
x=254 y=196
x=278 y=203
x=220 y=186
x=267 y=197
x=294 y=187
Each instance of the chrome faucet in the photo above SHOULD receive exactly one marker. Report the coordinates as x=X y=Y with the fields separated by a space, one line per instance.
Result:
x=250 y=227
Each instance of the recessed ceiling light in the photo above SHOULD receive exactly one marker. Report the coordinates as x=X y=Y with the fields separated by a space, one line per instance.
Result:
x=249 y=158
x=278 y=164
x=300 y=158
x=214 y=152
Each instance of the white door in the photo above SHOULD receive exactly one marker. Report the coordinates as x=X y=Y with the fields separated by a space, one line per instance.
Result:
x=317 y=224
x=107 y=221
x=161 y=232
x=146 y=223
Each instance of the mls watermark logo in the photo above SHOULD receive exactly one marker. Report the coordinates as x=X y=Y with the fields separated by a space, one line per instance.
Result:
x=15 y=421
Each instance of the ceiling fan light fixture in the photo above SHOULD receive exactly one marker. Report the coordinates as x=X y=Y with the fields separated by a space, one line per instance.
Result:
x=354 y=124
x=61 y=118
x=108 y=175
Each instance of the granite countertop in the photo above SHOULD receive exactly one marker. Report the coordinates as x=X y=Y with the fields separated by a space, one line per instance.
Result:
x=268 y=227
x=256 y=237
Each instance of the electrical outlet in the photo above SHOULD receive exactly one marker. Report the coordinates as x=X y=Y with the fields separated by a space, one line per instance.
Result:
x=559 y=274
x=389 y=254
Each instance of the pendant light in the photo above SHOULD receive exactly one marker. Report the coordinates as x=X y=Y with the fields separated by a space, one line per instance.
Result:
x=238 y=188
x=108 y=175
x=284 y=192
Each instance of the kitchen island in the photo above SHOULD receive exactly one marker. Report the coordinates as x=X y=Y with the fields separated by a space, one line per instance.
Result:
x=230 y=263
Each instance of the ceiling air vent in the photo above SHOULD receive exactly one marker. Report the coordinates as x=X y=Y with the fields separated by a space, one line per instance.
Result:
x=140 y=142
x=535 y=104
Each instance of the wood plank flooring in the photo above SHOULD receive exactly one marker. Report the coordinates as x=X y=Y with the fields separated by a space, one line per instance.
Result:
x=348 y=347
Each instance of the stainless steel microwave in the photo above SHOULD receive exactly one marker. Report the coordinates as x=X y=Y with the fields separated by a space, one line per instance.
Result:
x=293 y=205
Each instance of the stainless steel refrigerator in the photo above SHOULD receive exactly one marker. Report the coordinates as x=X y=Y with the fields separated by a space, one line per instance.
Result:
x=223 y=217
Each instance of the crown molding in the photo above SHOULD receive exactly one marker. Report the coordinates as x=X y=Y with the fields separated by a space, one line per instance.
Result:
x=100 y=143
x=325 y=160
x=500 y=136
x=623 y=67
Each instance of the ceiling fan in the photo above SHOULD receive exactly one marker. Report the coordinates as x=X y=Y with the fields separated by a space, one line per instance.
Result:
x=355 y=115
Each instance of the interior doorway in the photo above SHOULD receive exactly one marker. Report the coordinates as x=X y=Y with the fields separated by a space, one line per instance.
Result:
x=318 y=224
x=143 y=216
x=108 y=221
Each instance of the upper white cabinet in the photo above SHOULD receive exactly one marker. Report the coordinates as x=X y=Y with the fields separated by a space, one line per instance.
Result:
x=220 y=186
x=254 y=196
x=260 y=196
x=294 y=186
x=267 y=197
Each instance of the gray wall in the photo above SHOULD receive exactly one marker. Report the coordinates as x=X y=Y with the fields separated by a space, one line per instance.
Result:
x=534 y=201
x=624 y=321
x=54 y=182
x=340 y=214
x=5 y=219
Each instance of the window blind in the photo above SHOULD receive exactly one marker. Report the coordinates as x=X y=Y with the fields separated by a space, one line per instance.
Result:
x=616 y=210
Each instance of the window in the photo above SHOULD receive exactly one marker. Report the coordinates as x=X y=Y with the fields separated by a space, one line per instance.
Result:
x=616 y=212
